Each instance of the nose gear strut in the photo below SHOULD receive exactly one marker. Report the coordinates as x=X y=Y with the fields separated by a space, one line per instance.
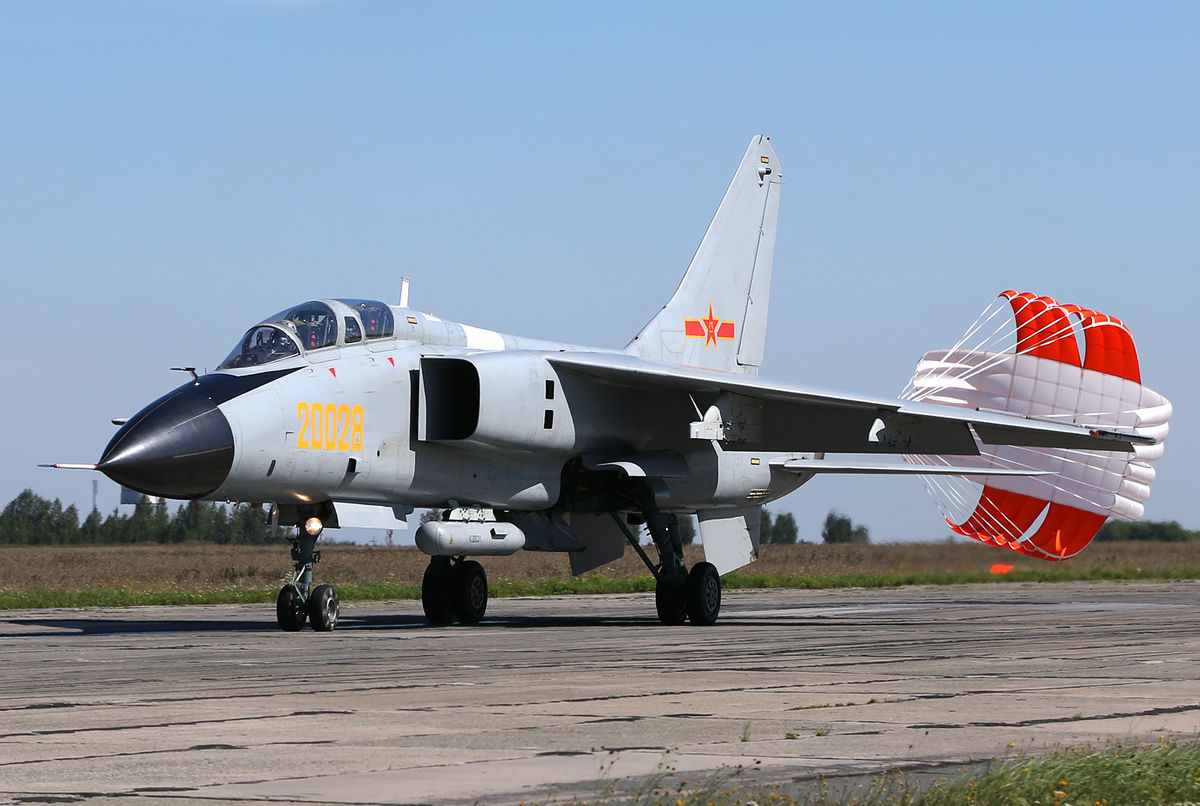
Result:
x=298 y=601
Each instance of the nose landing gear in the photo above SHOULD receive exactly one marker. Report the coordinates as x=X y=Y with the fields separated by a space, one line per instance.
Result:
x=298 y=601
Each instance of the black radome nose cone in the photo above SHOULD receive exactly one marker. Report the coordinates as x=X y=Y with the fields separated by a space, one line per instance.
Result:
x=180 y=446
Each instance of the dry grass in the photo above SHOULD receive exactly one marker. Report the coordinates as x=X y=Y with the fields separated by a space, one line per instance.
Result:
x=202 y=567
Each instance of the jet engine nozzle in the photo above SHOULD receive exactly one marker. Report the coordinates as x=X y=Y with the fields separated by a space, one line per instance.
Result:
x=180 y=446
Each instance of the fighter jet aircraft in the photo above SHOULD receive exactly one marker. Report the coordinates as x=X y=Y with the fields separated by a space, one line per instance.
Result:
x=352 y=412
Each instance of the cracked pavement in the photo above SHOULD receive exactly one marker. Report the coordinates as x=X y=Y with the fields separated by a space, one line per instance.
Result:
x=561 y=697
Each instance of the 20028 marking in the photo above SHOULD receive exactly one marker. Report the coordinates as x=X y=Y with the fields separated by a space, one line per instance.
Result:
x=326 y=426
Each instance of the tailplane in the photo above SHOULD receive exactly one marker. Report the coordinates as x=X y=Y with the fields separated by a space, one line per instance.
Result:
x=717 y=318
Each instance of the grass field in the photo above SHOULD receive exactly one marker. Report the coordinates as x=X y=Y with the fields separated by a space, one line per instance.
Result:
x=1111 y=774
x=201 y=572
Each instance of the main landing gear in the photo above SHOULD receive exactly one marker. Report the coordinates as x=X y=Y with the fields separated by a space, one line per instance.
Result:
x=454 y=589
x=298 y=601
x=679 y=594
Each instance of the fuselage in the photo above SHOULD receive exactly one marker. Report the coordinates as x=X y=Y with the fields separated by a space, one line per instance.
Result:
x=324 y=401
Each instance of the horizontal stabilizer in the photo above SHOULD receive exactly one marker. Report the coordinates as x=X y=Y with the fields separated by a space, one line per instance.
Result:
x=824 y=466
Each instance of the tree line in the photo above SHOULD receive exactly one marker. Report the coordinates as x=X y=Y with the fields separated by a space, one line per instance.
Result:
x=32 y=520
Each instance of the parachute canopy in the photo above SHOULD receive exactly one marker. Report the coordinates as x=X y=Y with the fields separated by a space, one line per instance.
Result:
x=1034 y=357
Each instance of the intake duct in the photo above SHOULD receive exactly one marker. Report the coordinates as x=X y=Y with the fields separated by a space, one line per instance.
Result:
x=505 y=400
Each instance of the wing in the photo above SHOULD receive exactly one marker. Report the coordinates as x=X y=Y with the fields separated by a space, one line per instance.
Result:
x=757 y=414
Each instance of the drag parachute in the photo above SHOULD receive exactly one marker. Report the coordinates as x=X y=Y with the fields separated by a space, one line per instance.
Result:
x=1034 y=357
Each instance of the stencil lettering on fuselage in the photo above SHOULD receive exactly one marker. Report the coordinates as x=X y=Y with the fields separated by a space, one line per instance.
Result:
x=329 y=427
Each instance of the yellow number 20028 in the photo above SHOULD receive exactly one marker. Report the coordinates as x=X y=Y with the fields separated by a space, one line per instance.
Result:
x=329 y=427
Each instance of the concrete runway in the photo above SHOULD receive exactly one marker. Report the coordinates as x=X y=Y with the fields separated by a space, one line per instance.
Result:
x=555 y=698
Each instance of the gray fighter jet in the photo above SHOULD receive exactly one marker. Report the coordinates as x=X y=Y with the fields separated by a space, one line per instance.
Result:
x=352 y=412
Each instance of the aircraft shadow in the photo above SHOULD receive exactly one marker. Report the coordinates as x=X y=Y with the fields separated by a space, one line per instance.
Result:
x=69 y=627
x=40 y=627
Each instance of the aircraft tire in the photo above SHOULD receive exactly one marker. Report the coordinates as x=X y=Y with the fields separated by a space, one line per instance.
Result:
x=703 y=594
x=323 y=608
x=289 y=610
x=670 y=601
x=435 y=594
x=470 y=593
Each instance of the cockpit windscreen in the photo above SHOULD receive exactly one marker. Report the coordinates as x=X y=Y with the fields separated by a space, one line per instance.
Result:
x=261 y=345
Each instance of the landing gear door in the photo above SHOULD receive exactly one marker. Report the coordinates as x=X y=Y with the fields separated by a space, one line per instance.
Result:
x=730 y=537
x=603 y=542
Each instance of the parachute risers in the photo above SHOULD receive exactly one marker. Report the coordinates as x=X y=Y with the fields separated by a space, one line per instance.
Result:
x=1031 y=356
x=469 y=538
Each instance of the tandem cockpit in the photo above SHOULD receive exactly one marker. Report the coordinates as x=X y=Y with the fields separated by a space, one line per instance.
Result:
x=311 y=326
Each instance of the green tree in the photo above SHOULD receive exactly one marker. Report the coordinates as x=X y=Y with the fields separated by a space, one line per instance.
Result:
x=141 y=527
x=19 y=520
x=249 y=526
x=90 y=531
x=840 y=529
x=778 y=528
x=66 y=529
x=784 y=530
x=30 y=519
x=114 y=527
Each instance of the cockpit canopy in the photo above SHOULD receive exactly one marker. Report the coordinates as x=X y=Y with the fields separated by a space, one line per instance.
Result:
x=262 y=344
x=313 y=322
x=311 y=326
x=377 y=319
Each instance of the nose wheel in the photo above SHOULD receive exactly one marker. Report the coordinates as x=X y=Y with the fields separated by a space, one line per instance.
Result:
x=323 y=608
x=298 y=602
x=289 y=610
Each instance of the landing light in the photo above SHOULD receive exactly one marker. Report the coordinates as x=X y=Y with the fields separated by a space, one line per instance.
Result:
x=313 y=526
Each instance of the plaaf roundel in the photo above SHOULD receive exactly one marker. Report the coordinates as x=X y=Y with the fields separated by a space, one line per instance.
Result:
x=709 y=328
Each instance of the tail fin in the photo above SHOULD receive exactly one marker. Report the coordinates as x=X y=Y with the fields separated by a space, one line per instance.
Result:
x=717 y=318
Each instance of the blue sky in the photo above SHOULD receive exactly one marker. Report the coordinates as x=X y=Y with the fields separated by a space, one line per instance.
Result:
x=171 y=172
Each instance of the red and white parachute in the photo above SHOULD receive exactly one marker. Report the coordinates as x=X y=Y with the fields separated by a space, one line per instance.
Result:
x=1032 y=356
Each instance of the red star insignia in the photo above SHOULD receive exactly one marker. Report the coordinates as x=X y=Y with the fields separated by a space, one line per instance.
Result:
x=710 y=329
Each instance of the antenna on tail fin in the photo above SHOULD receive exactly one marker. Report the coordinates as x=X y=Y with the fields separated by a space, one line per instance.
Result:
x=717 y=318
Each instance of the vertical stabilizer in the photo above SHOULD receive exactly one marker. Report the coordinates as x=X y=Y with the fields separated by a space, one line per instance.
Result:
x=717 y=318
